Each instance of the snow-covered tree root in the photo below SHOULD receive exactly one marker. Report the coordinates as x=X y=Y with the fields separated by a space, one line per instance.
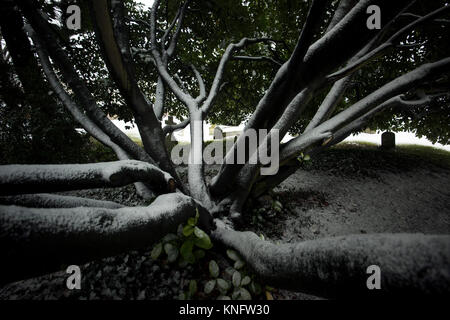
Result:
x=34 y=241
x=19 y=179
x=336 y=267
x=47 y=200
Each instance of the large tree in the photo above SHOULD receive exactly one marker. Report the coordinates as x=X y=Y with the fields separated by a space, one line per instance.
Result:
x=305 y=86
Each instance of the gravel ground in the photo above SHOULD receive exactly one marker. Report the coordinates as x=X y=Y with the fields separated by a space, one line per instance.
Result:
x=346 y=191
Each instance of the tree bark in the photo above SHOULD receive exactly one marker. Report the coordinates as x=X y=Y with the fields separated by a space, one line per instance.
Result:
x=34 y=241
x=20 y=179
x=47 y=200
x=411 y=264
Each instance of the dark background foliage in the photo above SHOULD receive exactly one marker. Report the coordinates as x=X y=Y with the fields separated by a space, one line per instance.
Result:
x=35 y=128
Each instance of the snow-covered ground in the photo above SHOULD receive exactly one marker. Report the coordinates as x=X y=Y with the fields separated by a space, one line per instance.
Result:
x=400 y=137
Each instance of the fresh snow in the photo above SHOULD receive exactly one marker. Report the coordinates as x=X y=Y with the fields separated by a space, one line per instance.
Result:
x=184 y=136
x=400 y=138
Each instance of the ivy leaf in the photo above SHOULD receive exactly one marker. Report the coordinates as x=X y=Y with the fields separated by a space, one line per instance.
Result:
x=246 y=281
x=236 y=278
x=202 y=239
x=204 y=243
x=156 y=252
x=229 y=271
x=186 y=251
x=213 y=269
x=239 y=264
x=199 y=233
x=223 y=298
x=223 y=284
x=209 y=286
x=172 y=252
x=255 y=288
x=187 y=230
x=192 y=287
x=244 y=294
x=169 y=237
x=191 y=222
x=236 y=293
x=277 y=206
x=233 y=255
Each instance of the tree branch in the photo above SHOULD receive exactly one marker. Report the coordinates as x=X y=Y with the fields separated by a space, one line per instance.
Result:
x=397 y=86
x=410 y=264
x=54 y=237
x=43 y=36
x=19 y=179
x=174 y=40
x=381 y=48
x=48 y=200
x=175 y=127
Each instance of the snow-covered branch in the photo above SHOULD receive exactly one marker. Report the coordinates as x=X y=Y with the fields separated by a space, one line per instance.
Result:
x=48 y=200
x=202 y=96
x=19 y=179
x=159 y=99
x=336 y=267
x=49 y=238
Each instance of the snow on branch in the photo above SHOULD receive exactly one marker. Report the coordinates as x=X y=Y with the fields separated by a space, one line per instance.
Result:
x=48 y=200
x=49 y=238
x=336 y=267
x=201 y=84
x=19 y=179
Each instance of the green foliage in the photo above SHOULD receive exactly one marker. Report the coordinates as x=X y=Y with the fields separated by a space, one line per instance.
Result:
x=233 y=283
x=213 y=269
x=187 y=246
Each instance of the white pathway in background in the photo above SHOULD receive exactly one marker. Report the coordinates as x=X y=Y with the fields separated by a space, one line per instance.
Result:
x=400 y=137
